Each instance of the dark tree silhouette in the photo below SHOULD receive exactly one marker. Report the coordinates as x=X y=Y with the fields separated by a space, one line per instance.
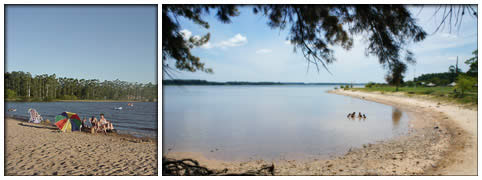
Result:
x=473 y=63
x=173 y=43
x=395 y=76
x=314 y=30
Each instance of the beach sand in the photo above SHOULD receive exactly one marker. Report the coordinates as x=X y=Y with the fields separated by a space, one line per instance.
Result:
x=441 y=141
x=461 y=156
x=42 y=151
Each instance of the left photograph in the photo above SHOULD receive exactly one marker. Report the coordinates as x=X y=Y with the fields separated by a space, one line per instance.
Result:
x=81 y=90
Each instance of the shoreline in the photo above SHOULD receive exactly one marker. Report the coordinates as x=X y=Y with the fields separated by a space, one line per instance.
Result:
x=460 y=157
x=31 y=150
x=435 y=145
x=124 y=133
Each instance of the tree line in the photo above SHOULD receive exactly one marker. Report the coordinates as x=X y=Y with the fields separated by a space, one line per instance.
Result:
x=204 y=82
x=25 y=87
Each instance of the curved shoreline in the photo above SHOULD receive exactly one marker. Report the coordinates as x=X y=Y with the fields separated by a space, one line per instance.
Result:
x=436 y=145
x=460 y=156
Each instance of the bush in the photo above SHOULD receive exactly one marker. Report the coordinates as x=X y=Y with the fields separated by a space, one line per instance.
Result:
x=465 y=83
x=50 y=99
x=10 y=94
x=37 y=99
x=370 y=85
x=429 y=91
x=68 y=97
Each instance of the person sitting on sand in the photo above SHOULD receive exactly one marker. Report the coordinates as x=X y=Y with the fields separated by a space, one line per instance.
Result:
x=93 y=122
x=364 y=117
x=353 y=115
x=103 y=123
x=348 y=116
x=359 y=115
x=83 y=122
x=106 y=125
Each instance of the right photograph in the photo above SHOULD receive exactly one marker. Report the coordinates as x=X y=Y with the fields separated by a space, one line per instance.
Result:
x=323 y=90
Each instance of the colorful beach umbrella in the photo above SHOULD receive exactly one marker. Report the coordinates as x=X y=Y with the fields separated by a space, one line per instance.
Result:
x=68 y=122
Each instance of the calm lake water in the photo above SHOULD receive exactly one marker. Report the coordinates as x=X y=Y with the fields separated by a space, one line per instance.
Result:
x=139 y=120
x=271 y=122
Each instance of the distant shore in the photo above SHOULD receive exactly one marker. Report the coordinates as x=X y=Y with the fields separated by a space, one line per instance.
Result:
x=437 y=144
x=198 y=82
x=43 y=151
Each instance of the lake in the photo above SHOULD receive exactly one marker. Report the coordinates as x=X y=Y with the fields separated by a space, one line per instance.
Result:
x=138 y=120
x=272 y=122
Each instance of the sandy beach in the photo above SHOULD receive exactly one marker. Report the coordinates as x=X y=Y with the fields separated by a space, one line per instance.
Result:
x=460 y=158
x=43 y=151
x=441 y=141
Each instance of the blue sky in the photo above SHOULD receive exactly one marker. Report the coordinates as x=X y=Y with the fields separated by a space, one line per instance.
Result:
x=90 y=42
x=248 y=50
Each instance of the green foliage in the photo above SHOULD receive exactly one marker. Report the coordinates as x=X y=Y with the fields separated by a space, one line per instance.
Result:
x=176 y=45
x=369 y=84
x=395 y=76
x=454 y=69
x=68 y=97
x=428 y=91
x=465 y=83
x=441 y=79
x=49 y=88
x=409 y=84
x=473 y=63
x=314 y=29
x=441 y=93
x=10 y=94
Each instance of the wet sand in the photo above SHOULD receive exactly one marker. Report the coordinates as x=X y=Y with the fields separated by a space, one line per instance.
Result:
x=442 y=141
x=460 y=157
x=43 y=151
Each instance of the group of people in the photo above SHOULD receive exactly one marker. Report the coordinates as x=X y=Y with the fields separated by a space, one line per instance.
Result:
x=352 y=115
x=101 y=124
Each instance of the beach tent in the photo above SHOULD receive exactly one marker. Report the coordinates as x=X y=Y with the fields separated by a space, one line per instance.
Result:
x=34 y=116
x=430 y=84
x=452 y=84
x=68 y=122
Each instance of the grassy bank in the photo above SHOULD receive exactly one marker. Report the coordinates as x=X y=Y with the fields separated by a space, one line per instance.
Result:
x=438 y=93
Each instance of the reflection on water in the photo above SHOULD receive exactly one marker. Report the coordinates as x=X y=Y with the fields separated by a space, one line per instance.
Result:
x=396 y=116
x=271 y=122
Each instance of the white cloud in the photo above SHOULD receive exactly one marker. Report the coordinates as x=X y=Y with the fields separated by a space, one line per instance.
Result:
x=186 y=34
x=207 y=45
x=237 y=40
x=263 y=51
